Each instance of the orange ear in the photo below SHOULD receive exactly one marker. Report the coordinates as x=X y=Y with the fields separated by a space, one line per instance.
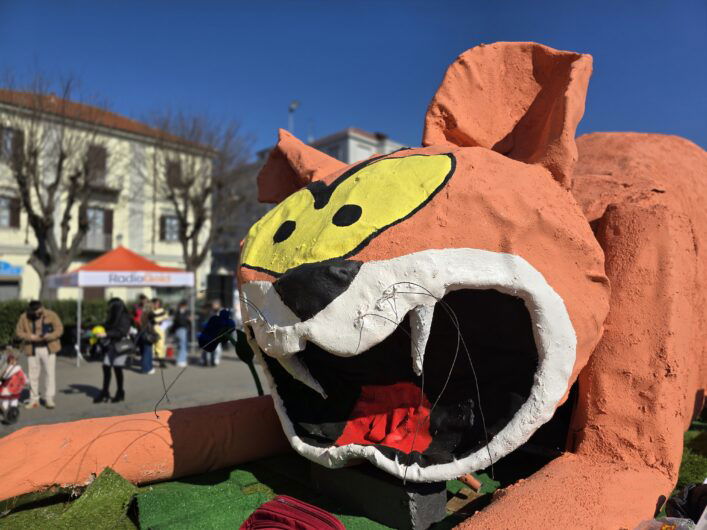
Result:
x=521 y=99
x=290 y=166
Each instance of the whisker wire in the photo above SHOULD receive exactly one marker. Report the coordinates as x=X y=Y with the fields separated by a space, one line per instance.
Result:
x=168 y=389
x=260 y=313
x=455 y=321
x=165 y=395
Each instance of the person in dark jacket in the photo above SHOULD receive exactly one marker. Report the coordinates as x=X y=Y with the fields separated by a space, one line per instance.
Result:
x=116 y=345
x=147 y=337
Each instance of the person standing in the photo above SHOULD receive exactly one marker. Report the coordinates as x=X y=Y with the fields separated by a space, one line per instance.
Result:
x=147 y=337
x=213 y=358
x=180 y=328
x=159 y=315
x=117 y=345
x=138 y=308
x=39 y=329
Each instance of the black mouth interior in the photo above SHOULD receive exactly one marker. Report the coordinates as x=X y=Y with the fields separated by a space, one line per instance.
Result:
x=497 y=331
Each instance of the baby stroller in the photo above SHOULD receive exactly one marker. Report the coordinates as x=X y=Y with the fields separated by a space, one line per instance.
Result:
x=12 y=381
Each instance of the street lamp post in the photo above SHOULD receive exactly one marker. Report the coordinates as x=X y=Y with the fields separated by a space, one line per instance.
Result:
x=291 y=115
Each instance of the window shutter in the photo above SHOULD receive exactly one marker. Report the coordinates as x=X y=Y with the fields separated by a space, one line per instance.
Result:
x=108 y=222
x=174 y=174
x=102 y=160
x=163 y=228
x=97 y=163
x=83 y=214
x=18 y=143
x=15 y=212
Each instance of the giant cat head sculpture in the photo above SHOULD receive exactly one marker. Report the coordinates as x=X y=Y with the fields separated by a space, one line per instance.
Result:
x=428 y=310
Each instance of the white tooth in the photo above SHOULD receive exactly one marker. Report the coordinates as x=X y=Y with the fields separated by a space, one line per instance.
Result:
x=297 y=369
x=420 y=325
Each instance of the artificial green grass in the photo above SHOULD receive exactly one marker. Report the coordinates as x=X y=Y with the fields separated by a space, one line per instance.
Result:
x=224 y=499
x=103 y=505
x=693 y=467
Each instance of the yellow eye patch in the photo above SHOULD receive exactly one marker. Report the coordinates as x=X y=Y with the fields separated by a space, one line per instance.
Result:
x=322 y=221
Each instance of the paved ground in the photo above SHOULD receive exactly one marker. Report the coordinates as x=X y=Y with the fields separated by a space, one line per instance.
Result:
x=76 y=388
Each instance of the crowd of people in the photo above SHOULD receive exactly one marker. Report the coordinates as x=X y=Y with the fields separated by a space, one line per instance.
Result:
x=142 y=337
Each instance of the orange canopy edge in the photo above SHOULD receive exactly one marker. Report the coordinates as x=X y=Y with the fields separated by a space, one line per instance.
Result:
x=124 y=259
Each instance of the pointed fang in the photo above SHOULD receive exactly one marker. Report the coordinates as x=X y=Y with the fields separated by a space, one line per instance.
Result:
x=297 y=369
x=420 y=325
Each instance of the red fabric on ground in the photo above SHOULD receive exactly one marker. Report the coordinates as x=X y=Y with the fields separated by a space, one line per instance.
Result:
x=389 y=415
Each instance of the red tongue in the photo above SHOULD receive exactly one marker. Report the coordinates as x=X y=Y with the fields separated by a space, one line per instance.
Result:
x=389 y=415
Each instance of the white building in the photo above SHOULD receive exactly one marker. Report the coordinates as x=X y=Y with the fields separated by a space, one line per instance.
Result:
x=124 y=206
x=352 y=145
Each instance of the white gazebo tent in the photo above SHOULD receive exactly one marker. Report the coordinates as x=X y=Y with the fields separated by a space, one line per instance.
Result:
x=122 y=267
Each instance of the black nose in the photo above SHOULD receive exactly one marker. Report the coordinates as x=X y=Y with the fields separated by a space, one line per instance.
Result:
x=311 y=287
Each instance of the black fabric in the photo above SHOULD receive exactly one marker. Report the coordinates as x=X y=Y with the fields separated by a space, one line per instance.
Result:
x=118 y=321
x=309 y=288
x=34 y=319
x=122 y=346
x=688 y=503
x=148 y=335
x=11 y=416
x=119 y=377
x=180 y=320
x=498 y=332
x=106 y=378
x=117 y=326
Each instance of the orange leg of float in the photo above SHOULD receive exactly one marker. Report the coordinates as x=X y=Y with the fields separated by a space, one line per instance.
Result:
x=637 y=394
x=143 y=448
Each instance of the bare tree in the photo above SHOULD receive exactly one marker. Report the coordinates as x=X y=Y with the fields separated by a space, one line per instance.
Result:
x=57 y=160
x=194 y=171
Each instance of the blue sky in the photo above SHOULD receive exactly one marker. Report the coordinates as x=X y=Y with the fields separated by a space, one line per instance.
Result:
x=373 y=65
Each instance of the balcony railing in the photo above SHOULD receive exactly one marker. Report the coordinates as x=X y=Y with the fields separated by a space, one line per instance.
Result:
x=97 y=241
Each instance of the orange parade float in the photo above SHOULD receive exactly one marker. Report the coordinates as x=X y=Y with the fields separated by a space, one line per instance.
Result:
x=429 y=310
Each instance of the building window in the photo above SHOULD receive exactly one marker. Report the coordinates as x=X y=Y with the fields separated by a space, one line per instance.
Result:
x=169 y=228
x=9 y=212
x=97 y=161
x=173 y=174
x=11 y=141
x=9 y=290
x=100 y=229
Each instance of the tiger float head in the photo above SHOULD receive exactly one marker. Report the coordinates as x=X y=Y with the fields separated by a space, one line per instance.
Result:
x=429 y=309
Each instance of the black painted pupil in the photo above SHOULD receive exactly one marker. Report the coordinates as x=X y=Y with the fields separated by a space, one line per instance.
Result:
x=347 y=215
x=284 y=231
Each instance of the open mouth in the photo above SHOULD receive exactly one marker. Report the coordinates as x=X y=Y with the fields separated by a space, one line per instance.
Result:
x=478 y=368
x=429 y=365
